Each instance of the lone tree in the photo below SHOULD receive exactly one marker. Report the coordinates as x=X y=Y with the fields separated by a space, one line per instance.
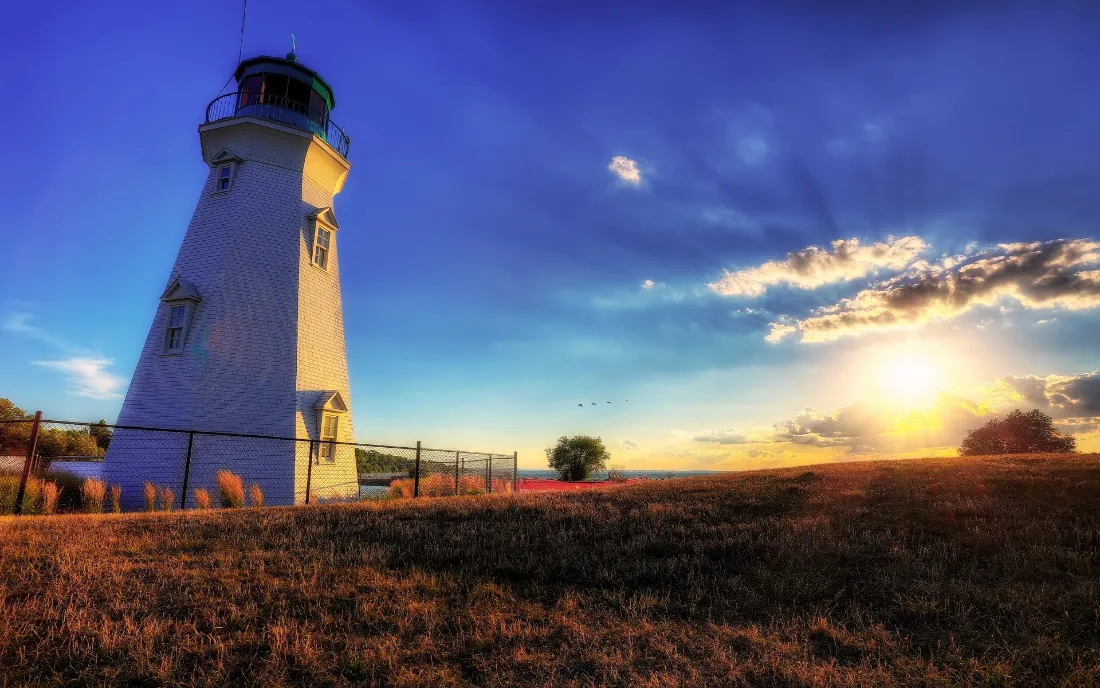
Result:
x=574 y=458
x=1018 y=433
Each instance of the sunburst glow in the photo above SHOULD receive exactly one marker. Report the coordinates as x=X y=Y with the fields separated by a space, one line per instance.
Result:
x=910 y=379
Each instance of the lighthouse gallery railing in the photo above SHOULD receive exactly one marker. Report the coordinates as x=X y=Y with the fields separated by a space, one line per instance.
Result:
x=279 y=109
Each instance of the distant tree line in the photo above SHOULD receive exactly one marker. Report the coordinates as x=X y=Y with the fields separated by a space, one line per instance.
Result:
x=374 y=461
x=86 y=441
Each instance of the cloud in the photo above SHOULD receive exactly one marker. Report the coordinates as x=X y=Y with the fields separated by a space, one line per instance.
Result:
x=812 y=267
x=628 y=444
x=864 y=427
x=873 y=132
x=777 y=332
x=752 y=149
x=1037 y=275
x=725 y=437
x=89 y=377
x=625 y=169
x=1063 y=396
x=884 y=428
x=648 y=284
x=20 y=323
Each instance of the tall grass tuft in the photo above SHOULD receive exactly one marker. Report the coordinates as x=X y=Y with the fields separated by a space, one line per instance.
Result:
x=256 y=495
x=49 y=495
x=150 y=493
x=116 y=499
x=202 y=498
x=230 y=489
x=167 y=498
x=92 y=493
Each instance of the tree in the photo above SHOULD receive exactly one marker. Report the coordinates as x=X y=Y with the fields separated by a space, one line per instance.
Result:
x=13 y=436
x=574 y=458
x=101 y=433
x=1017 y=433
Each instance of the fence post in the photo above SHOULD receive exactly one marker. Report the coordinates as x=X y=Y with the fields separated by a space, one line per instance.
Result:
x=309 y=470
x=32 y=448
x=515 y=471
x=489 y=474
x=416 y=472
x=187 y=469
x=456 y=472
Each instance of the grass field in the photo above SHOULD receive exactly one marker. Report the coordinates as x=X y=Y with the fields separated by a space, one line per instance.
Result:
x=934 y=572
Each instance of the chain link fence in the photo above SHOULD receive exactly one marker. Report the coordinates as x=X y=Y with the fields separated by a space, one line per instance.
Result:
x=51 y=466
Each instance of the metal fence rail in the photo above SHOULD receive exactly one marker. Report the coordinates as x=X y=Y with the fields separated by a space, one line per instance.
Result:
x=128 y=468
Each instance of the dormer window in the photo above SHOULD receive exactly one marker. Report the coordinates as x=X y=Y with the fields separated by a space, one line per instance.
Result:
x=321 y=242
x=329 y=407
x=324 y=232
x=330 y=426
x=225 y=177
x=180 y=300
x=177 y=319
x=224 y=165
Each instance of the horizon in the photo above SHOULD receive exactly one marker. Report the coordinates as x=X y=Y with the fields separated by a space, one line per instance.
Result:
x=879 y=236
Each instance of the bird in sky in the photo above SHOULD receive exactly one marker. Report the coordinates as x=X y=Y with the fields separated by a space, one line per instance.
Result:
x=581 y=405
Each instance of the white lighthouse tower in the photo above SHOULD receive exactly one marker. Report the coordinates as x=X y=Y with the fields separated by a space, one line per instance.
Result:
x=248 y=334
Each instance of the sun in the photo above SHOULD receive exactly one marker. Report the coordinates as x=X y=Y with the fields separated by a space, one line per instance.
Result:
x=910 y=379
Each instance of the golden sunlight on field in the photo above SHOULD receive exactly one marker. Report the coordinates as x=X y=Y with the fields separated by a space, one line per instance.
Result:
x=935 y=572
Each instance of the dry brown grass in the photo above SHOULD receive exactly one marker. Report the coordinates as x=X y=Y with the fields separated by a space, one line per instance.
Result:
x=50 y=494
x=256 y=495
x=167 y=498
x=116 y=499
x=443 y=485
x=202 y=498
x=149 y=491
x=978 y=571
x=230 y=489
x=92 y=495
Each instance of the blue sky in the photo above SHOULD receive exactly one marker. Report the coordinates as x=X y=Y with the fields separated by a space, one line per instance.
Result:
x=557 y=204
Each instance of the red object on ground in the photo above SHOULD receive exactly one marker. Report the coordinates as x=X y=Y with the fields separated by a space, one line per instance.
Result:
x=548 y=485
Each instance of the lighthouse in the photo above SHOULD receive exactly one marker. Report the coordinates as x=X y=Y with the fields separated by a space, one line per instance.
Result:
x=247 y=335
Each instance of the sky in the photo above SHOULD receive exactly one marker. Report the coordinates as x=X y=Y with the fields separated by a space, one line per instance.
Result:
x=766 y=233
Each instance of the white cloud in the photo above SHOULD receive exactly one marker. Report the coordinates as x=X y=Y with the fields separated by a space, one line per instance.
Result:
x=1037 y=275
x=89 y=377
x=752 y=149
x=20 y=323
x=872 y=132
x=625 y=169
x=777 y=332
x=628 y=444
x=814 y=266
x=648 y=284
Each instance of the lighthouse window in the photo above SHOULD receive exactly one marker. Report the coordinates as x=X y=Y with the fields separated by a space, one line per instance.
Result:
x=225 y=177
x=317 y=108
x=329 y=427
x=177 y=326
x=322 y=241
x=297 y=92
